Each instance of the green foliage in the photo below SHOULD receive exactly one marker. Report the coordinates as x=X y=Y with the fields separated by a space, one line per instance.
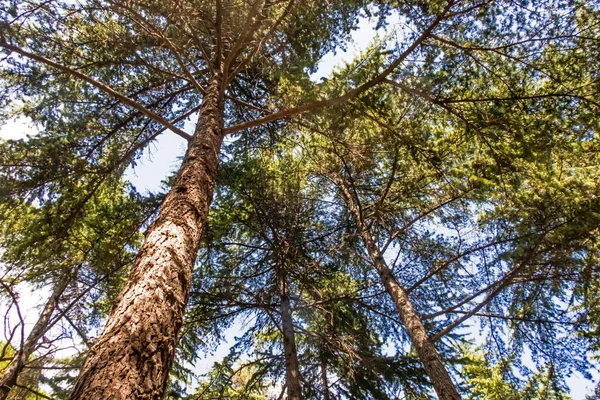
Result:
x=474 y=164
x=29 y=379
x=496 y=382
x=86 y=239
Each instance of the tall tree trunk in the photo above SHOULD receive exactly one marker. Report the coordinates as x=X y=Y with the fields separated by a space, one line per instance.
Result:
x=324 y=379
x=292 y=367
x=132 y=357
x=442 y=383
x=328 y=317
x=42 y=325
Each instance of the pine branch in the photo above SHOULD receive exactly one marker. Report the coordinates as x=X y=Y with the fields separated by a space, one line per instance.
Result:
x=336 y=101
x=99 y=85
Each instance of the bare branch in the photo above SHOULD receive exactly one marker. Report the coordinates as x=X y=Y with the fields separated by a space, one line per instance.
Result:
x=15 y=300
x=143 y=143
x=422 y=215
x=520 y=319
x=465 y=253
x=35 y=392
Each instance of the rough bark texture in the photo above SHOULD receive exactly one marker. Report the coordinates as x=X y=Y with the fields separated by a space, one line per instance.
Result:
x=132 y=357
x=42 y=325
x=440 y=379
x=292 y=367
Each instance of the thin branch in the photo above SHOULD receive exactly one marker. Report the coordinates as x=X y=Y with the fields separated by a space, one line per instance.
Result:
x=423 y=214
x=465 y=253
x=505 y=281
x=390 y=179
x=144 y=24
x=257 y=48
x=101 y=86
x=426 y=97
x=77 y=329
x=219 y=29
x=516 y=98
x=150 y=138
x=520 y=319
x=248 y=31
x=351 y=94
x=35 y=392
x=15 y=300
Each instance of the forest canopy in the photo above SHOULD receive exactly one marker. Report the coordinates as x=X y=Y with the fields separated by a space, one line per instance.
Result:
x=422 y=222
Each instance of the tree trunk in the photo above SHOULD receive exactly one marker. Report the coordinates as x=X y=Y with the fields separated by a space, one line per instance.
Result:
x=429 y=356
x=324 y=379
x=132 y=357
x=292 y=367
x=9 y=379
x=440 y=379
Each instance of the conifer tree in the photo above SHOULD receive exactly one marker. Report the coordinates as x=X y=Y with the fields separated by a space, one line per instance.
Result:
x=78 y=257
x=114 y=75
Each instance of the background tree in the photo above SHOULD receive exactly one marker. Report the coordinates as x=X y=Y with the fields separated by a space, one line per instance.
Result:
x=487 y=381
x=80 y=252
x=409 y=190
x=266 y=206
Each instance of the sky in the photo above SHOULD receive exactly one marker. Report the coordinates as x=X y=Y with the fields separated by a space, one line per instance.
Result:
x=163 y=157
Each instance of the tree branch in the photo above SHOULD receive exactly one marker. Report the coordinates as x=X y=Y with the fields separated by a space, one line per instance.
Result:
x=504 y=282
x=256 y=49
x=101 y=86
x=250 y=26
x=351 y=94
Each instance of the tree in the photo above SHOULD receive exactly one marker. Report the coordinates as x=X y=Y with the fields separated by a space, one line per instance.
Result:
x=223 y=47
x=487 y=381
x=160 y=58
x=400 y=178
x=269 y=219
x=76 y=257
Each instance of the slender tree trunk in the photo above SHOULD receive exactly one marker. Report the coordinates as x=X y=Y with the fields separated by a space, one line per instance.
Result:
x=429 y=356
x=328 y=316
x=292 y=367
x=132 y=357
x=324 y=379
x=9 y=379
x=442 y=383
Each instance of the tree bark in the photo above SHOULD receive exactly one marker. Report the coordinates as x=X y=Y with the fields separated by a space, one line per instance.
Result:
x=132 y=357
x=440 y=379
x=292 y=367
x=42 y=325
